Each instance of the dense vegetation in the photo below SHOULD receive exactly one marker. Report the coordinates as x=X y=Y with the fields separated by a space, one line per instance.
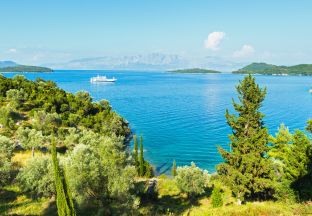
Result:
x=269 y=69
x=25 y=68
x=194 y=70
x=61 y=153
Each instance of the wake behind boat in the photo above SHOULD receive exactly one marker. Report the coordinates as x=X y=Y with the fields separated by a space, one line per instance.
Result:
x=102 y=79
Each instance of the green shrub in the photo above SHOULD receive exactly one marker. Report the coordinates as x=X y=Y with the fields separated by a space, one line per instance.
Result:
x=37 y=177
x=216 y=197
x=191 y=180
x=6 y=149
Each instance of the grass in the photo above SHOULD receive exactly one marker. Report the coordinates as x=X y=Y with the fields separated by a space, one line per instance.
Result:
x=14 y=202
x=20 y=158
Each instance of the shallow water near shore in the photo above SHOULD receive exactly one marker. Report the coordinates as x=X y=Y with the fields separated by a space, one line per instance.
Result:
x=181 y=116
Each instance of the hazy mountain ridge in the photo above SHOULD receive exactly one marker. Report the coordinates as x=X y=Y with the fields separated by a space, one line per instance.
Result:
x=7 y=64
x=149 y=62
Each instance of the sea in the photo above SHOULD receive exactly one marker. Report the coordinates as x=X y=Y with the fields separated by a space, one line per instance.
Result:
x=182 y=116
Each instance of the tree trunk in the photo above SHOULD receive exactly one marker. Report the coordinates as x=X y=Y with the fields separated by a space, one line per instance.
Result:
x=239 y=202
x=33 y=151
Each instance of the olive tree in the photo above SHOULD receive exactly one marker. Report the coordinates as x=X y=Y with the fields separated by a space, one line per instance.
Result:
x=6 y=151
x=191 y=180
x=16 y=97
x=37 y=177
x=30 y=138
x=100 y=174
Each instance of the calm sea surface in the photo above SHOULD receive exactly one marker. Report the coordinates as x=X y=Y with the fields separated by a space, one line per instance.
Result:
x=181 y=116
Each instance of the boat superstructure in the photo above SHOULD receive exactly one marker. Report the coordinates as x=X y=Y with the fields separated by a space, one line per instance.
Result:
x=99 y=78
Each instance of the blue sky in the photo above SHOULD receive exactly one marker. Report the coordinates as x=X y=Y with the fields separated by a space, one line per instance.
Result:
x=37 y=32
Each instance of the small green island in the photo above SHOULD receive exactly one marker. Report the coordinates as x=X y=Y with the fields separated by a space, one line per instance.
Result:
x=25 y=68
x=10 y=66
x=270 y=69
x=194 y=71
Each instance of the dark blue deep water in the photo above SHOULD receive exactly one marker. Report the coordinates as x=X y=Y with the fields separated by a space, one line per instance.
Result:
x=181 y=116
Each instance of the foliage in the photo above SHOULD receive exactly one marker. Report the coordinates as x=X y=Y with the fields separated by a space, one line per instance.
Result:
x=247 y=168
x=99 y=174
x=191 y=180
x=136 y=152
x=141 y=160
x=64 y=202
x=143 y=166
x=25 y=68
x=7 y=117
x=6 y=150
x=174 y=169
x=36 y=177
x=195 y=70
x=30 y=138
x=46 y=107
x=216 y=197
x=297 y=160
x=269 y=69
x=309 y=126
x=16 y=97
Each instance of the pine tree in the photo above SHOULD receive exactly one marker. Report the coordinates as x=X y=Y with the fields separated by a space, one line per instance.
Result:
x=136 y=152
x=174 y=168
x=141 y=157
x=247 y=168
x=64 y=202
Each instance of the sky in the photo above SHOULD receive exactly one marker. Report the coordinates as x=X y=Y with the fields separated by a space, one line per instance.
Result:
x=51 y=31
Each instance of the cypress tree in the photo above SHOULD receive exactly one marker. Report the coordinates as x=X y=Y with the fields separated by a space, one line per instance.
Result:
x=247 y=168
x=216 y=197
x=174 y=168
x=64 y=202
x=141 y=157
x=136 y=152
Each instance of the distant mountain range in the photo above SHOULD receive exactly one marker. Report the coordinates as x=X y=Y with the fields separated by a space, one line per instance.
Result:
x=148 y=62
x=270 y=69
x=7 y=64
x=11 y=66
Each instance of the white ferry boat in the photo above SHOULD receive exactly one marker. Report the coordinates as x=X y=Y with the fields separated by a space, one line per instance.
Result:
x=102 y=79
x=310 y=90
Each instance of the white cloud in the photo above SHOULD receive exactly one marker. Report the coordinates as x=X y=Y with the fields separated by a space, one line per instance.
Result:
x=12 y=50
x=244 y=52
x=213 y=40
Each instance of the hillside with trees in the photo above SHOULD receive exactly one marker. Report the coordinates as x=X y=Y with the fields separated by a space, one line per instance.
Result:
x=10 y=66
x=269 y=69
x=62 y=154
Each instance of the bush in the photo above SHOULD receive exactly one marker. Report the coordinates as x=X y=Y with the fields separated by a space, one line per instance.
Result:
x=191 y=180
x=5 y=168
x=37 y=177
x=216 y=197
x=6 y=149
x=284 y=192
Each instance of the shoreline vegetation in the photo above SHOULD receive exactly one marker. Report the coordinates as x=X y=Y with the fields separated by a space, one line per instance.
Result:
x=25 y=68
x=269 y=69
x=194 y=71
x=63 y=154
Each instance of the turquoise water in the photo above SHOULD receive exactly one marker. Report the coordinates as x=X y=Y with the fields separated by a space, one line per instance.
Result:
x=181 y=116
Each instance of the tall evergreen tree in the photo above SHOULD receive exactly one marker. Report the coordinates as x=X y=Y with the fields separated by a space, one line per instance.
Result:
x=247 y=168
x=174 y=168
x=64 y=202
x=309 y=126
x=141 y=157
x=136 y=152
